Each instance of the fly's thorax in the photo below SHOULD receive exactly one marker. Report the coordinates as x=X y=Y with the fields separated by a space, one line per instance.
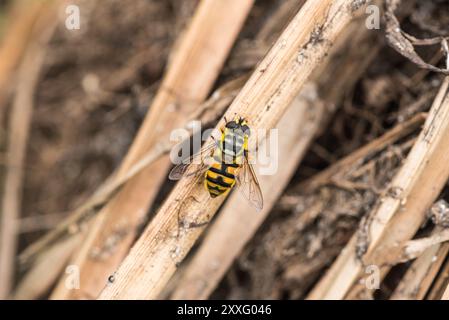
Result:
x=233 y=145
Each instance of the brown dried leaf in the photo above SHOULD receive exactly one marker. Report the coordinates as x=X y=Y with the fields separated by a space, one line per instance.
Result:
x=401 y=42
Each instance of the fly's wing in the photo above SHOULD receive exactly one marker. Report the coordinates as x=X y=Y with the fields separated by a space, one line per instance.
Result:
x=248 y=184
x=196 y=162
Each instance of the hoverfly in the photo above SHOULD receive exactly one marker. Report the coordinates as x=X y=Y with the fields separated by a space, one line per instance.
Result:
x=228 y=164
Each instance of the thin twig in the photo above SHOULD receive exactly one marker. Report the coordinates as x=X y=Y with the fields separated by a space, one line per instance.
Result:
x=419 y=277
x=22 y=17
x=19 y=127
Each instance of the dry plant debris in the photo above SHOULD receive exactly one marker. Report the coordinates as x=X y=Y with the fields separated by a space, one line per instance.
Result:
x=264 y=98
x=90 y=94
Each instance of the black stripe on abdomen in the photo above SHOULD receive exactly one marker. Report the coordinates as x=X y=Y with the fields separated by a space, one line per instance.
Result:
x=218 y=181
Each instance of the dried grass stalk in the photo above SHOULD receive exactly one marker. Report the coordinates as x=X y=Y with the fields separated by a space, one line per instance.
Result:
x=421 y=274
x=18 y=133
x=237 y=222
x=401 y=210
x=263 y=100
x=192 y=70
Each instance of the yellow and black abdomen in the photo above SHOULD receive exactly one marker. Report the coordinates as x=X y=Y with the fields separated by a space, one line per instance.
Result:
x=220 y=178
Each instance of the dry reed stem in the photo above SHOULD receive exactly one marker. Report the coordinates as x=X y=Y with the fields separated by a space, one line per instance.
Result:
x=263 y=100
x=208 y=112
x=401 y=210
x=415 y=248
x=421 y=274
x=21 y=19
x=190 y=76
x=440 y=282
x=371 y=148
x=18 y=132
x=237 y=223
x=78 y=222
x=446 y=294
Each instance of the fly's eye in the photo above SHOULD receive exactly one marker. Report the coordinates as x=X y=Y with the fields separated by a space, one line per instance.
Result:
x=246 y=130
x=231 y=125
